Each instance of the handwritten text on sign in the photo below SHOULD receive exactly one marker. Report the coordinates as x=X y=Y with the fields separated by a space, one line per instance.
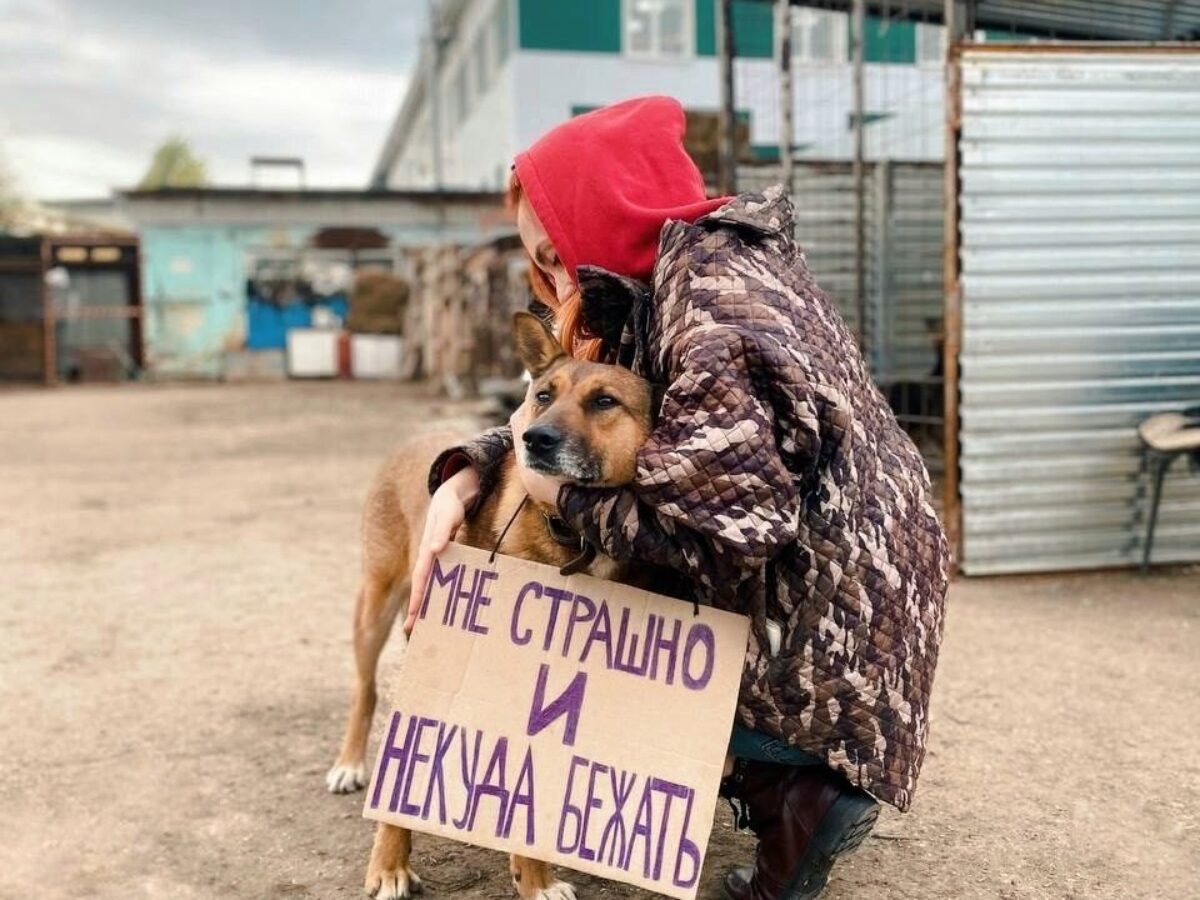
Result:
x=568 y=719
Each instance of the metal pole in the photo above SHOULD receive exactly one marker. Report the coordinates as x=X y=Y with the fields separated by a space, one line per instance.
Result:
x=880 y=360
x=857 y=28
x=433 y=81
x=783 y=59
x=726 y=152
x=956 y=23
x=49 y=317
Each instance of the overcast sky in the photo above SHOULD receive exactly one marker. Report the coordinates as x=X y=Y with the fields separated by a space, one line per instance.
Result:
x=88 y=88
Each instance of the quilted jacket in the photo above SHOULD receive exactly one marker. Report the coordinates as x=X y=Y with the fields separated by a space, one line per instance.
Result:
x=779 y=483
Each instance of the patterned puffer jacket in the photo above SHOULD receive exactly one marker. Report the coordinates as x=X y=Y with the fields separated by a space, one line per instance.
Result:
x=778 y=482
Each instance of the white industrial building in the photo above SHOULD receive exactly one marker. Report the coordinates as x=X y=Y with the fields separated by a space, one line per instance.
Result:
x=507 y=70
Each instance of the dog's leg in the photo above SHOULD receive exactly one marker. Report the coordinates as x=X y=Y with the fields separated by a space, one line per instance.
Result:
x=379 y=600
x=534 y=880
x=388 y=874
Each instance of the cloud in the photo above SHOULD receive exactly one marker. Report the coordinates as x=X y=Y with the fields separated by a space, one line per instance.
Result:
x=70 y=167
x=89 y=89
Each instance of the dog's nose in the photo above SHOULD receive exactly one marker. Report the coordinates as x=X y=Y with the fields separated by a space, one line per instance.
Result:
x=542 y=438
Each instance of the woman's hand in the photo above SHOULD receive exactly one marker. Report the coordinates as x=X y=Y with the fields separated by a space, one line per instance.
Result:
x=542 y=489
x=447 y=511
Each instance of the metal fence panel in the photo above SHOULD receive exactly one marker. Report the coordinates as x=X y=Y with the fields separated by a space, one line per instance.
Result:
x=910 y=280
x=1080 y=272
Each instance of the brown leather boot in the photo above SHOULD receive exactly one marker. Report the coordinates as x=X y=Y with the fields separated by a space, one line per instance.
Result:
x=804 y=818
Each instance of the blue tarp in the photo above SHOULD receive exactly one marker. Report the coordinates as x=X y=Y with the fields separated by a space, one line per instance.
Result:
x=268 y=323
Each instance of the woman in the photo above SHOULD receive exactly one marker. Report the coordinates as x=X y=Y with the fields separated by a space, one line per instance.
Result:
x=777 y=480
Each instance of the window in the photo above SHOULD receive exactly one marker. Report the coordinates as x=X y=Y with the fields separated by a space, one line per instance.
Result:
x=658 y=28
x=819 y=35
x=931 y=44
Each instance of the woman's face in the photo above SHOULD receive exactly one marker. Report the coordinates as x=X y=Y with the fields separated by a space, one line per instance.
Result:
x=544 y=256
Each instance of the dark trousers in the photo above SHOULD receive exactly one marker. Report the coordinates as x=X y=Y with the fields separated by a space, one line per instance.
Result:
x=755 y=745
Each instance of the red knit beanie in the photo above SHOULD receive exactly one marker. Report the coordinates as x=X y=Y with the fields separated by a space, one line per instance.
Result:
x=604 y=183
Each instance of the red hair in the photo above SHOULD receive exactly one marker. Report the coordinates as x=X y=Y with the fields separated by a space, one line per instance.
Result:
x=568 y=314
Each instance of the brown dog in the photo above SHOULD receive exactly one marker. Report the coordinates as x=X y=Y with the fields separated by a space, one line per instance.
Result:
x=587 y=423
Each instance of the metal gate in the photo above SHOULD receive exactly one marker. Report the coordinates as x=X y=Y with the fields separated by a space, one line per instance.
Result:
x=1079 y=286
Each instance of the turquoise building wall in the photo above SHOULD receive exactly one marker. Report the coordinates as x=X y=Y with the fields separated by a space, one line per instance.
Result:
x=594 y=26
x=194 y=286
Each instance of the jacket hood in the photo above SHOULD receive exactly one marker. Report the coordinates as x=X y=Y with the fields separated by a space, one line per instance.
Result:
x=603 y=184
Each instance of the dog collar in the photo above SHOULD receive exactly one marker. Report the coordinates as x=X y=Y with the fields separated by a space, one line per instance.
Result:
x=562 y=532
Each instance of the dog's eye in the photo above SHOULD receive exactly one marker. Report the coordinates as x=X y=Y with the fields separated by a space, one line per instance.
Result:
x=604 y=401
x=542 y=396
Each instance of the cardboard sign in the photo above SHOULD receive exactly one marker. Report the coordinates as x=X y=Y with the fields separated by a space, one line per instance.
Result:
x=571 y=720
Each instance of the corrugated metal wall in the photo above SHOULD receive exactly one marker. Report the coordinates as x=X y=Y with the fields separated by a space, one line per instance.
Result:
x=1080 y=275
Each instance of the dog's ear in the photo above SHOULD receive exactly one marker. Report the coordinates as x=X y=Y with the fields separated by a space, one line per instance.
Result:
x=537 y=347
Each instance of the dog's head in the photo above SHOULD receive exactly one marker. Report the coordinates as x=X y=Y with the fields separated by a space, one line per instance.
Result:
x=587 y=421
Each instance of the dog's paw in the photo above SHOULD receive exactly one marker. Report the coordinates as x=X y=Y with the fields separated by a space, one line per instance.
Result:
x=558 y=890
x=393 y=884
x=346 y=779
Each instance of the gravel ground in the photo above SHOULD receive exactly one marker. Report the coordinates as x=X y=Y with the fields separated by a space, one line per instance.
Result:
x=178 y=570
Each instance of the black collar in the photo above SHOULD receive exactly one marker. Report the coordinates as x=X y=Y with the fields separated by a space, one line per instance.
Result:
x=562 y=532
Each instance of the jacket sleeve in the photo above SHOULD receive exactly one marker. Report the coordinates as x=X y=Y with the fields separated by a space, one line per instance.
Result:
x=712 y=496
x=485 y=453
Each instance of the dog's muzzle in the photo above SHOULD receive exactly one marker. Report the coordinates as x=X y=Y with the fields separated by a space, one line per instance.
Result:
x=551 y=451
x=542 y=442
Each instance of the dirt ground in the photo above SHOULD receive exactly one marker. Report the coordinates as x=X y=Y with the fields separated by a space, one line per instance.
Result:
x=178 y=568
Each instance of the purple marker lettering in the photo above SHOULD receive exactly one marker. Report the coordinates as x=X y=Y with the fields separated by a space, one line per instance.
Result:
x=601 y=633
x=469 y=773
x=641 y=829
x=671 y=645
x=481 y=600
x=492 y=788
x=687 y=849
x=536 y=589
x=568 y=704
x=570 y=811
x=556 y=596
x=623 y=635
x=522 y=795
x=582 y=610
x=627 y=664
x=389 y=754
x=669 y=790
x=441 y=579
x=590 y=803
x=698 y=635
x=451 y=610
x=414 y=757
x=466 y=596
x=622 y=787
x=437 y=777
